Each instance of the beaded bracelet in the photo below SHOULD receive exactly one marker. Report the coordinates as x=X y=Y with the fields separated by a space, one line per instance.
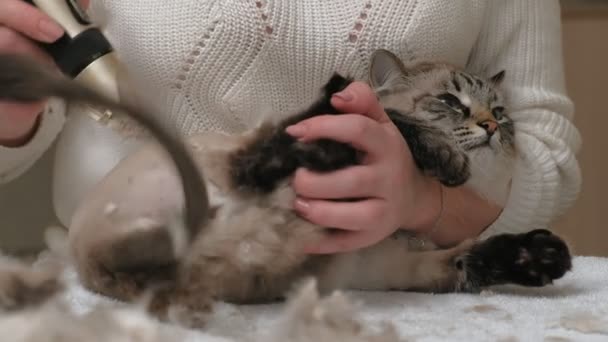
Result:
x=439 y=216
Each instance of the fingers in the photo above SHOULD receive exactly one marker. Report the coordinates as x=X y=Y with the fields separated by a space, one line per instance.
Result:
x=362 y=129
x=359 y=215
x=21 y=24
x=18 y=119
x=13 y=42
x=357 y=130
x=358 y=97
x=84 y=3
x=29 y=21
x=352 y=182
x=20 y=109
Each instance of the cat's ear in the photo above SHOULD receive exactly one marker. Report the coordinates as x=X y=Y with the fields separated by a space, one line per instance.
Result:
x=498 y=78
x=386 y=70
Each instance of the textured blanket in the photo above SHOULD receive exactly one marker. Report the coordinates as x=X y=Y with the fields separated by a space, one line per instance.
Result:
x=575 y=308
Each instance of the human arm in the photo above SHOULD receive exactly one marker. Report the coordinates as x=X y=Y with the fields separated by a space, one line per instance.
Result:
x=17 y=159
x=26 y=130
x=524 y=38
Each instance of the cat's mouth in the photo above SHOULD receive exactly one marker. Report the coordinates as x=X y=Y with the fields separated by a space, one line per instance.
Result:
x=477 y=145
x=491 y=142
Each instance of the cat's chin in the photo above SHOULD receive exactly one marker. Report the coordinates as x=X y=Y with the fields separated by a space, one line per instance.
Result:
x=491 y=172
x=482 y=145
x=496 y=144
x=479 y=146
x=492 y=144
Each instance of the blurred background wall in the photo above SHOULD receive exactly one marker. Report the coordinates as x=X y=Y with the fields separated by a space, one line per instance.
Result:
x=585 y=42
x=25 y=205
x=26 y=208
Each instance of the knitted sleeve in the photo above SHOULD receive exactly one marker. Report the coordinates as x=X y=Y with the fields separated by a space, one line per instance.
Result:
x=524 y=38
x=16 y=161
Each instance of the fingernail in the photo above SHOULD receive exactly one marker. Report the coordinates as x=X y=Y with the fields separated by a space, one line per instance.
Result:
x=49 y=30
x=344 y=95
x=296 y=130
x=302 y=204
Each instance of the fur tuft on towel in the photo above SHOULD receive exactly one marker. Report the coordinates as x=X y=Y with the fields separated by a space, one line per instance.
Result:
x=44 y=302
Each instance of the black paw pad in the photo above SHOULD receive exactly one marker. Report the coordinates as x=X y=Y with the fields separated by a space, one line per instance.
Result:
x=536 y=258
x=542 y=258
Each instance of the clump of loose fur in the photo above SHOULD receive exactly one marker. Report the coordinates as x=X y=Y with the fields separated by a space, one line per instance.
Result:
x=22 y=286
x=309 y=317
x=33 y=311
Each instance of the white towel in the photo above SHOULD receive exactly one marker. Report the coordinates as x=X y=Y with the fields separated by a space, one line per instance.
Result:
x=575 y=308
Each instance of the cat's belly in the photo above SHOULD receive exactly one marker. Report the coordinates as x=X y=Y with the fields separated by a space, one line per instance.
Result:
x=251 y=250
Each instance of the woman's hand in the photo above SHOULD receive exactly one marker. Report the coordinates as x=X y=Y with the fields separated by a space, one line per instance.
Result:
x=391 y=191
x=21 y=25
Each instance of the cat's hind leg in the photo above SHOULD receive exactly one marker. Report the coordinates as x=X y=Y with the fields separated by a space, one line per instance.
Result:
x=397 y=263
x=123 y=265
x=536 y=258
x=273 y=155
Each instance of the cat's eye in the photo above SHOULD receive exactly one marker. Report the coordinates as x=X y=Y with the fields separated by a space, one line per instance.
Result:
x=450 y=100
x=454 y=102
x=498 y=112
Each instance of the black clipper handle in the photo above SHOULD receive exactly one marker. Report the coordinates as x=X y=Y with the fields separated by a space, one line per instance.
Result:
x=78 y=47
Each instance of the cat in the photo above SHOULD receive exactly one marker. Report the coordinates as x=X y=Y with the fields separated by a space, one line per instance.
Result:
x=248 y=249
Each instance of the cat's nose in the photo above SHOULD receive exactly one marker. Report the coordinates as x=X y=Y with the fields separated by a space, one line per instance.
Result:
x=489 y=125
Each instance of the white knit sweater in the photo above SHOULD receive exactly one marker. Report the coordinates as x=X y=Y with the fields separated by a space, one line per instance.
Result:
x=222 y=63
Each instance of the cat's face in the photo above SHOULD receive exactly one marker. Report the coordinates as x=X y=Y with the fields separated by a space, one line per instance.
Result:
x=471 y=108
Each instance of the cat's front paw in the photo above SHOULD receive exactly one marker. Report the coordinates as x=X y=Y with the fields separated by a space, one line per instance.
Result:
x=536 y=258
x=542 y=258
x=325 y=155
x=453 y=168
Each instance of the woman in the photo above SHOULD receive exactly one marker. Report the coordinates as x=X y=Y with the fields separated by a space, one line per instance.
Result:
x=220 y=64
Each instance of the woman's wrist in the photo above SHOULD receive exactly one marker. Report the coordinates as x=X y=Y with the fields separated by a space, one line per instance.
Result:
x=21 y=133
x=19 y=122
x=423 y=218
x=448 y=215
